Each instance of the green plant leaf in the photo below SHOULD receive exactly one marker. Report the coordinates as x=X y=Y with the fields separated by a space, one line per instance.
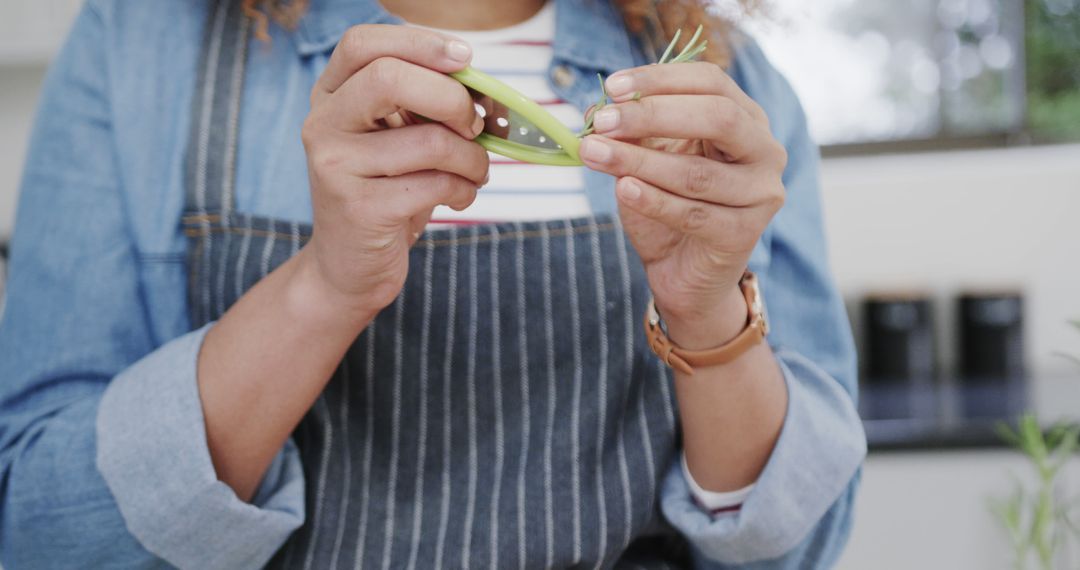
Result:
x=1031 y=438
x=1067 y=356
x=670 y=47
x=1008 y=434
x=690 y=45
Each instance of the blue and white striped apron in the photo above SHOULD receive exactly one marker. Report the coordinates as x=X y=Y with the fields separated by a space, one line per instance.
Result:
x=503 y=412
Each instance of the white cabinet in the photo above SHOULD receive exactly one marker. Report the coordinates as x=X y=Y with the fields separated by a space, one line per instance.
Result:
x=932 y=510
x=31 y=31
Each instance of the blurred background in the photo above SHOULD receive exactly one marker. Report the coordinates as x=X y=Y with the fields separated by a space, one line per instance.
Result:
x=951 y=180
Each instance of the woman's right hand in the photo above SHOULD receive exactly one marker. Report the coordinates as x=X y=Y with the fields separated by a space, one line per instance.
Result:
x=376 y=175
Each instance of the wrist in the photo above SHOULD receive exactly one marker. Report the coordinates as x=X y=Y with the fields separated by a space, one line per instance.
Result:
x=715 y=323
x=310 y=298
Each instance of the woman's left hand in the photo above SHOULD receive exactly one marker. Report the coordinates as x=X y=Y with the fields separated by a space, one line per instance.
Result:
x=698 y=180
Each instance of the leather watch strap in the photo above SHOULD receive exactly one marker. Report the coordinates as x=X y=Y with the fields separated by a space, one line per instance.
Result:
x=757 y=327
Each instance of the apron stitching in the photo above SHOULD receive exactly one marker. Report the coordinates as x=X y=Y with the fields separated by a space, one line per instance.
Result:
x=523 y=364
x=549 y=334
x=602 y=379
x=222 y=272
x=496 y=362
x=320 y=486
x=643 y=420
x=607 y=226
x=193 y=279
x=470 y=385
x=628 y=368
x=421 y=447
x=294 y=236
x=451 y=321
x=268 y=249
x=245 y=248
x=575 y=401
x=347 y=446
x=395 y=431
x=369 y=417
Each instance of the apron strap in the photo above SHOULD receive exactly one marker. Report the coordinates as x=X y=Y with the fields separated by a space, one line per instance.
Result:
x=210 y=169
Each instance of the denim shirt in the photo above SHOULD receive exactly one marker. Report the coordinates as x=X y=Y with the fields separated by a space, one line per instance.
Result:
x=103 y=455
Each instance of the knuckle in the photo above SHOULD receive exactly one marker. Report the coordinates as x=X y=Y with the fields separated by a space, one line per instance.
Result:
x=417 y=42
x=441 y=184
x=748 y=230
x=309 y=132
x=324 y=159
x=695 y=220
x=627 y=159
x=699 y=178
x=777 y=198
x=463 y=103
x=657 y=206
x=436 y=143
x=724 y=113
x=482 y=163
x=646 y=108
x=383 y=72
x=463 y=198
x=781 y=154
x=714 y=73
x=352 y=41
x=759 y=112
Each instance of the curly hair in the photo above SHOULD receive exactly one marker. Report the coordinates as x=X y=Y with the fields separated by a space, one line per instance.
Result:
x=654 y=22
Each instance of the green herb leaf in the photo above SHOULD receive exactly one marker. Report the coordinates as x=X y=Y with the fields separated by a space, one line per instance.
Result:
x=670 y=47
x=693 y=48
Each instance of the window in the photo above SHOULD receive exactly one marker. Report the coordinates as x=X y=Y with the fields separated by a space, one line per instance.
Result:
x=930 y=70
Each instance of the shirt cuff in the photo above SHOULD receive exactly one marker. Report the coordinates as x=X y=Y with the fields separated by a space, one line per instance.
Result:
x=820 y=449
x=153 y=455
x=713 y=502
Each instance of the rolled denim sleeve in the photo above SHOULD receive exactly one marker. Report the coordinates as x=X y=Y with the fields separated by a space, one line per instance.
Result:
x=153 y=454
x=798 y=514
x=85 y=382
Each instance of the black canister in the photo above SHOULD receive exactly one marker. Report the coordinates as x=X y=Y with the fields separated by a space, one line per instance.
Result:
x=899 y=356
x=990 y=358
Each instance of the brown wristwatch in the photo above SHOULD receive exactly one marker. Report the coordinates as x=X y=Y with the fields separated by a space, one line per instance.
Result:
x=757 y=326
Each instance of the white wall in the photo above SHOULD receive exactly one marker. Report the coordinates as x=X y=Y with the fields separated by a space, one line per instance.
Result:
x=932 y=511
x=19 y=87
x=945 y=222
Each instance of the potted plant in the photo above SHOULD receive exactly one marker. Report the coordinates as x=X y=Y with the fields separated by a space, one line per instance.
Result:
x=1040 y=518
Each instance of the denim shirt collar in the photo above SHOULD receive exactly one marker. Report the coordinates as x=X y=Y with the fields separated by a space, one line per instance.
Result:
x=589 y=34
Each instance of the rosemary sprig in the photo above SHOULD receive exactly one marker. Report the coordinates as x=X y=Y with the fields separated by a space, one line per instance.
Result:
x=588 y=129
x=693 y=48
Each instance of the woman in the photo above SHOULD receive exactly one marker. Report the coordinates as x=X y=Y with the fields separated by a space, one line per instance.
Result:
x=229 y=336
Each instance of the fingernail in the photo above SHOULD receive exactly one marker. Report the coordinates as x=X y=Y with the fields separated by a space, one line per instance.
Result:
x=629 y=190
x=619 y=85
x=458 y=50
x=487 y=178
x=606 y=119
x=595 y=151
